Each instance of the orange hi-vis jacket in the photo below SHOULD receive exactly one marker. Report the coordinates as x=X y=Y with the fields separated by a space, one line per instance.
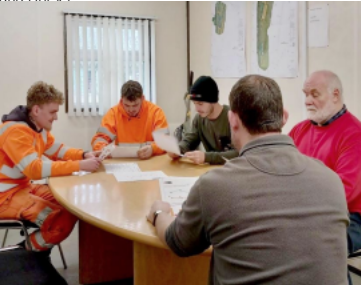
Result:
x=26 y=154
x=119 y=126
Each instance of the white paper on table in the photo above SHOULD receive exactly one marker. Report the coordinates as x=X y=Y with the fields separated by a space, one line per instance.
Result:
x=81 y=173
x=136 y=176
x=121 y=167
x=41 y=181
x=175 y=190
x=166 y=142
x=125 y=151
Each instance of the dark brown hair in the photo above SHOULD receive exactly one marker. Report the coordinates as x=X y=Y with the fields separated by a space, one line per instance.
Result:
x=41 y=93
x=258 y=102
x=132 y=90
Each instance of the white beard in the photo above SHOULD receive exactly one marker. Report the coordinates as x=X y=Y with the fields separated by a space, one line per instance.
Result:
x=321 y=115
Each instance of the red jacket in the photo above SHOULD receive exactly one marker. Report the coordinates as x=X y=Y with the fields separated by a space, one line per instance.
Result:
x=338 y=145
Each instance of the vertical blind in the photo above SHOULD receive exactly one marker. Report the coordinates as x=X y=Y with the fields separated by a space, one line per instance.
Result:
x=102 y=53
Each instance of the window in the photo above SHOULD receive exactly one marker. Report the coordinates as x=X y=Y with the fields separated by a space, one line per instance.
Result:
x=102 y=53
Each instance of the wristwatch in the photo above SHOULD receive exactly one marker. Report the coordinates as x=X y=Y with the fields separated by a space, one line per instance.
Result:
x=156 y=213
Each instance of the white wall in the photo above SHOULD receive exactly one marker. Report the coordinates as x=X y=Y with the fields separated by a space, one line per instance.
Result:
x=32 y=49
x=341 y=56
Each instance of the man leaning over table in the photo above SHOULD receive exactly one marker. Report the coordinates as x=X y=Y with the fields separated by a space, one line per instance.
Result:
x=210 y=126
x=28 y=151
x=273 y=215
x=131 y=122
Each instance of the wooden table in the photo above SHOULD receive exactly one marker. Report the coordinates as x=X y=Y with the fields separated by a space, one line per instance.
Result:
x=115 y=239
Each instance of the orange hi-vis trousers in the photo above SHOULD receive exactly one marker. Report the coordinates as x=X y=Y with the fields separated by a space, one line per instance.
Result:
x=37 y=204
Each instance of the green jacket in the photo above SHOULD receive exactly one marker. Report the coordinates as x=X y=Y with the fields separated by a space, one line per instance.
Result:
x=215 y=136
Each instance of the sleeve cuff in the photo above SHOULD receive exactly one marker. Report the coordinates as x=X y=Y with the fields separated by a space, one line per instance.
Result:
x=173 y=242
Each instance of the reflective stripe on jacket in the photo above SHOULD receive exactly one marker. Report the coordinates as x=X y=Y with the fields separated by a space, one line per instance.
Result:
x=29 y=155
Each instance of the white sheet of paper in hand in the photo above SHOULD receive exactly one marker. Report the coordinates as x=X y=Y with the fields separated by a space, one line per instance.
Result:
x=106 y=151
x=175 y=190
x=136 y=176
x=125 y=151
x=166 y=142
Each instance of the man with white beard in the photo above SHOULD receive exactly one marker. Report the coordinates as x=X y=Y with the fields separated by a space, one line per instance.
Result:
x=333 y=135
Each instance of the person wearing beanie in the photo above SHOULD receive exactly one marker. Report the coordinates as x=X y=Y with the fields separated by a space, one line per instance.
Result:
x=210 y=126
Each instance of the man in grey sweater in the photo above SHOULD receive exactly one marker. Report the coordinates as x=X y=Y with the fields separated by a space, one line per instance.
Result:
x=210 y=126
x=272 y=215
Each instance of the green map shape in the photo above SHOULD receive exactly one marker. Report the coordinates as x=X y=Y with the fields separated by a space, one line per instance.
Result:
x=219 y=18
x=264 y=14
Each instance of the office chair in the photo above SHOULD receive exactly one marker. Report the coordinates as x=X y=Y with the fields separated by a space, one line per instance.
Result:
x=24 y=226
x=354 y=262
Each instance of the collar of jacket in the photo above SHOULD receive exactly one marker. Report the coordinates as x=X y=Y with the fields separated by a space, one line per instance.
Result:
x=21 y=114
x=267 y=140
x=334 y=117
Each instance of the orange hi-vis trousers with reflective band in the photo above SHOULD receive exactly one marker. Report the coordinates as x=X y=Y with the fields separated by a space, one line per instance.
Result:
x=37 y=204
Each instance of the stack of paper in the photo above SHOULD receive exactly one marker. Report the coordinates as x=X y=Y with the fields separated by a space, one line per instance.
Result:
x=175 y=190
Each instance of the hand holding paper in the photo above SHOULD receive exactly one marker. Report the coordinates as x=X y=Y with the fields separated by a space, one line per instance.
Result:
x=175 y=190
x=198 y=157
x=173 y=155
x=106 y=151
x=145 y=152
x=166 y=142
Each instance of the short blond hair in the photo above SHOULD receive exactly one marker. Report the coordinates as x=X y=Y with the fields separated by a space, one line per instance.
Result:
x=41 y=93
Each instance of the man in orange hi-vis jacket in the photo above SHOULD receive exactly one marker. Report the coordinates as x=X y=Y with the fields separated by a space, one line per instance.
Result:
x=131 y=122
x=29 y=152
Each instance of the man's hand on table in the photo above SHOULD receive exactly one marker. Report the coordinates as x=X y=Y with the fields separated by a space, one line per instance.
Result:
x=145 y=152
x=198 y=157
x=158 y=205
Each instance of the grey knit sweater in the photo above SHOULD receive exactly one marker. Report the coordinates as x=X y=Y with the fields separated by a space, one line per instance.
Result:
x=273 y=216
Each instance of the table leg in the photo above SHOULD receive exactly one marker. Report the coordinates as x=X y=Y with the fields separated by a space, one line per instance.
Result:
x=103 y=257
x=156 y=266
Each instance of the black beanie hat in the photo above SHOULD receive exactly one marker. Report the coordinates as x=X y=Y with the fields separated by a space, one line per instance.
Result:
x=204 y=89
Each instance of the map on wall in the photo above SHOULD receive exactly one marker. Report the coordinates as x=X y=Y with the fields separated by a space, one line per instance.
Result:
x=275 y=38
x=228 y=39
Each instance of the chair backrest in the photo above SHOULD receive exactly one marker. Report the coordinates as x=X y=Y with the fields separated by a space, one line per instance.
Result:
x=17 y=224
